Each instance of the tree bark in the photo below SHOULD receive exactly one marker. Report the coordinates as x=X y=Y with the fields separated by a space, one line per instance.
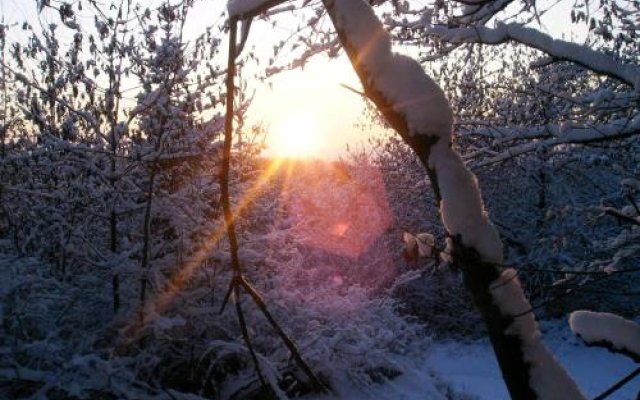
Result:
x=516 y=344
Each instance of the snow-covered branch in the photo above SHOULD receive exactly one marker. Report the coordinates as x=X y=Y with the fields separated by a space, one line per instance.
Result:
x=559 y=49
x=607 y=330
x=415 y=106
x=557 y=135
x=84 y=115
x=481 y=11
x=572 y=133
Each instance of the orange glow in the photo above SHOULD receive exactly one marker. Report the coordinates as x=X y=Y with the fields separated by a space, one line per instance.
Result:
x=177 y=281
x=340 y=228
x=330 y=209
x=311 y=105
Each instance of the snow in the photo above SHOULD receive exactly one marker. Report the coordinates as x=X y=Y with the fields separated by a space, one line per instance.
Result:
x=548 y=378
x=414 y=94
x=471 y=366
x=559 y=49
x=468 y=367
x=418 y=383
x=484 y=13
x=401 y=79
x=619 y=128
x=600 y=327
x=461 y=208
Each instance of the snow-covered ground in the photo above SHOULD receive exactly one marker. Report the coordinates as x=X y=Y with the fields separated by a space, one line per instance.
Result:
x=356 y=340
x=472 y=368
x=471 y=371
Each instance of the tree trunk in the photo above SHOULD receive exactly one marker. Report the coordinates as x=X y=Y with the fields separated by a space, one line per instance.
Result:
x=529 y=370
x=146 y=243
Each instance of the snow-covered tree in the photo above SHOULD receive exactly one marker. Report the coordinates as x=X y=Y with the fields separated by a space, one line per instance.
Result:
x=111 y=162
x=79 y=150
x=417 y=109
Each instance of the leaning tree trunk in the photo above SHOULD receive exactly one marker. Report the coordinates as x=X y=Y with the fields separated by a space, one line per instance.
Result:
x=415 y=106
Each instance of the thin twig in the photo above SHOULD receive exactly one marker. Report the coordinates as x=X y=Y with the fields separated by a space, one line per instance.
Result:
x=245 y=335
x=618 y=384
x=622 y=217
x=238 y=281
x=295 y=353
x=226 y=203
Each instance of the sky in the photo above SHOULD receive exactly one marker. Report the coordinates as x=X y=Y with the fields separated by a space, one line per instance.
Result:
x=317 y=95
x=307 y=112
x=315 y=100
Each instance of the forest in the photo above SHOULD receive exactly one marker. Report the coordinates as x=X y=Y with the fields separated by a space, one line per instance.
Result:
x=482 y=241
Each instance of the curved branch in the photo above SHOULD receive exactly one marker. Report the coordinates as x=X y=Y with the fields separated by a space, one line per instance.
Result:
x=238 y=281
x=481 y=11
x=246 y=9
x=415 y=106
x=559 y=49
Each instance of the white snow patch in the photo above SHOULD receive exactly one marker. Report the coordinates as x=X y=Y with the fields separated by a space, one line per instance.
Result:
x=462 y=208
x=415 y=95
x=594 y=327
x=585 y=55
x=471 y=367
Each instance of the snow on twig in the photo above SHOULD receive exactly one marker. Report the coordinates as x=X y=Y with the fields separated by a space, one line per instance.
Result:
x=601 y=329
x=553 y=135
x=547 y=378
x=559 y=49
x=248 y=8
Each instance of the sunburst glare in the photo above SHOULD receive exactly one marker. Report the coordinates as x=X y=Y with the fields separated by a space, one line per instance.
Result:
x=296 y=136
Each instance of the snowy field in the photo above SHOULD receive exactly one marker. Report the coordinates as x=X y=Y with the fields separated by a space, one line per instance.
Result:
x=471 y=367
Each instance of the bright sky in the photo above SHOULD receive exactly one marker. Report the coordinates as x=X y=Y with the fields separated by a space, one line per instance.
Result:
x=312 y=102
x=308 y=112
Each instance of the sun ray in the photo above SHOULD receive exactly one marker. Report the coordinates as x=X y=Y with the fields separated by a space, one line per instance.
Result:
x=177 y=281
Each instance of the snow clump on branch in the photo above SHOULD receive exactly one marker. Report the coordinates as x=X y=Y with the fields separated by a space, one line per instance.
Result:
x=612 y=331
x=402 y=81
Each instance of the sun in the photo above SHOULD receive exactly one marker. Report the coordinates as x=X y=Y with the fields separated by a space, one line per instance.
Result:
x=296 y=136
